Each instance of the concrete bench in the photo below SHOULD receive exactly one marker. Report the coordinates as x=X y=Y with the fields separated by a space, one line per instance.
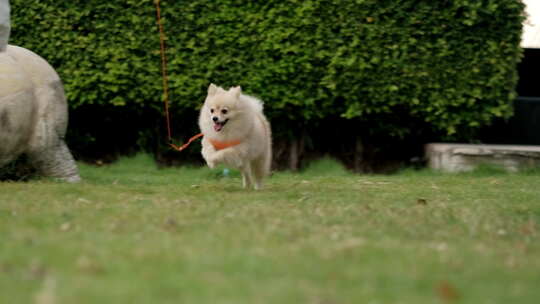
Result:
x=466 y=157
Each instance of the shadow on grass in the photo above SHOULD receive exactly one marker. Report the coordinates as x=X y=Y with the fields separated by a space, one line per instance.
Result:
x=19 y=170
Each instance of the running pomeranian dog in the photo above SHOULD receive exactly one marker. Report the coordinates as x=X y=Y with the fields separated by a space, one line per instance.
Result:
x=236 y=133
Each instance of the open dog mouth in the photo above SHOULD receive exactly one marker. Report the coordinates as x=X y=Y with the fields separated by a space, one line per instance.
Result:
x=218 y=125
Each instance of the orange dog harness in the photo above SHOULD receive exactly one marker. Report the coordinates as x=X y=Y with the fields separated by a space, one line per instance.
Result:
x=220 y=145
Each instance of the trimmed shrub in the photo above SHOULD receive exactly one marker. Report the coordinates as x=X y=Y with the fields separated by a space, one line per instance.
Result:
x=385 y=70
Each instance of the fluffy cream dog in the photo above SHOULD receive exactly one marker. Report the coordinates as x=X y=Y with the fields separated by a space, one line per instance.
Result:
x=236 y=133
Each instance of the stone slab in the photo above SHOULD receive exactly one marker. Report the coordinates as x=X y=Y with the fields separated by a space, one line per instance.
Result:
x=466 y=157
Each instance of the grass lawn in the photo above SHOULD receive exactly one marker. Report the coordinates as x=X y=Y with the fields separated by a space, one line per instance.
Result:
x=132 y=233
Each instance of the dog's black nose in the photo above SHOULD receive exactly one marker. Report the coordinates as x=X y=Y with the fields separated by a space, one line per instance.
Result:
x=215 y=118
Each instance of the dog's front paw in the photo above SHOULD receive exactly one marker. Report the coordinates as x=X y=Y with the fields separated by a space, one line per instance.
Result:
x=211 y=164
x=213 y=161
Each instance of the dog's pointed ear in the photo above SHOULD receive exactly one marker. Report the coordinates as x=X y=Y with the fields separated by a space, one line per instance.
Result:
x=236 y=91
x=212 y=89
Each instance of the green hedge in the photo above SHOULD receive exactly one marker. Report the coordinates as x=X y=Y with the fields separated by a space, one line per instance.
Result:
x=393 y=68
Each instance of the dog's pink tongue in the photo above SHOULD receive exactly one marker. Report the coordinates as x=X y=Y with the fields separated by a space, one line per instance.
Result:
x=217 y=127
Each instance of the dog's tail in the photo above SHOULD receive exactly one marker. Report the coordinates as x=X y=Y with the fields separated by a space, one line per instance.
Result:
x=256 y=105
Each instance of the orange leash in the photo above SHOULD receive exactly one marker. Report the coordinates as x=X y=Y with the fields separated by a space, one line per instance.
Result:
x=165 y=78
x=177 y=148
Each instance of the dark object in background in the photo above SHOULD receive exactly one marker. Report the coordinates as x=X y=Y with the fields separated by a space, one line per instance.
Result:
x=523 y=128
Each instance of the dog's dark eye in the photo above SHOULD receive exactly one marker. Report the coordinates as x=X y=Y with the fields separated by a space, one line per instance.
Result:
x=224 y=111
x=211 y=110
